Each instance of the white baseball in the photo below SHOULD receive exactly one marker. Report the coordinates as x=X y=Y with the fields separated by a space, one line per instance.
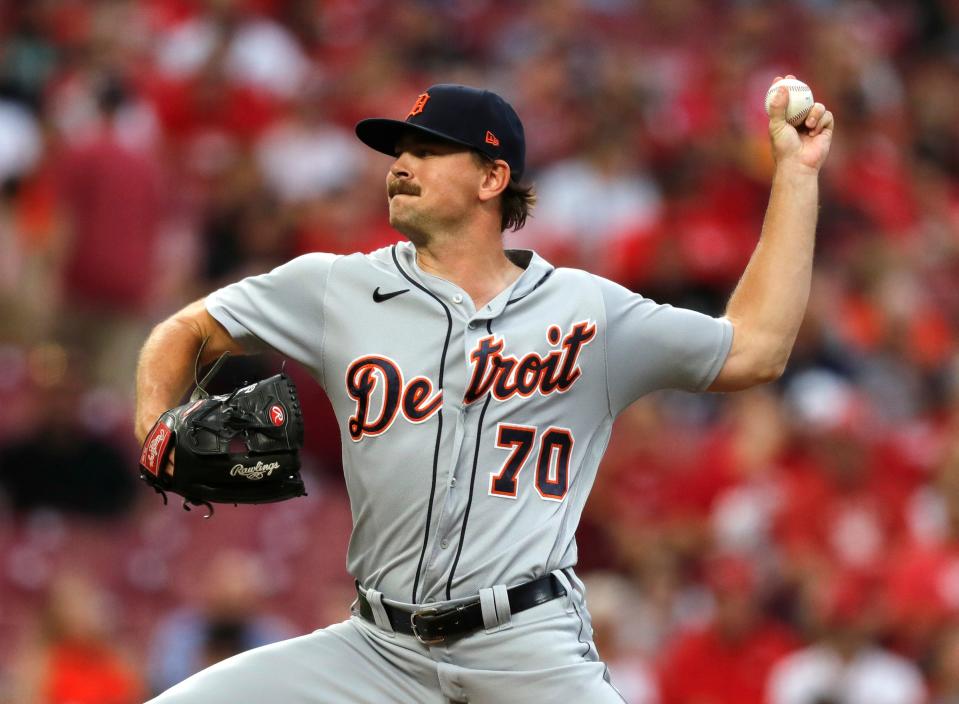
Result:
x=800 y=100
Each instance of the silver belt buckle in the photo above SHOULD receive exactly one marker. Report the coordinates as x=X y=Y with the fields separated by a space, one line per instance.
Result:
x=416 y=634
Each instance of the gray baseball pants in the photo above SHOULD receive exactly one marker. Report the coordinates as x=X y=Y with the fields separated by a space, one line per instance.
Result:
x=543 y=654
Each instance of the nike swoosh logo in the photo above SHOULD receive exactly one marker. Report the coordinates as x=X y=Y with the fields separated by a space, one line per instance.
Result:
x=380 y=297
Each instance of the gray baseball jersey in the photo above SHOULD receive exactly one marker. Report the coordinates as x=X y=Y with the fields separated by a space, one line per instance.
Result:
x=471 y=438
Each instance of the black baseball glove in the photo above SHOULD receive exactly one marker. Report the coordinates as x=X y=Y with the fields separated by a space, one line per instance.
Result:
x=238 y=448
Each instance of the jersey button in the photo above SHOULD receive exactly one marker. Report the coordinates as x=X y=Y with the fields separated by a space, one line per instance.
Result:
x=471 y=326
x=445 y=544
x=453 y=481
x=457 y=298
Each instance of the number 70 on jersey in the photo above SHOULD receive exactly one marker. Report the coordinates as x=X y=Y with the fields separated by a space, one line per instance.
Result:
x=554 y=448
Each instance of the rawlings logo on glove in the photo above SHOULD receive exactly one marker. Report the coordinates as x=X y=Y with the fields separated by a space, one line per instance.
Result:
x=154 y=448
x=254 y=473
x=238 y=448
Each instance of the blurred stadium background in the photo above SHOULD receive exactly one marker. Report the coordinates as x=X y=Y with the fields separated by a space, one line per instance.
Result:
x=795 y=544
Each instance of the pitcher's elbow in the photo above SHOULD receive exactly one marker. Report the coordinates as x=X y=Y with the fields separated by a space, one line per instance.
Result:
x=770 y=372
x=771 y=365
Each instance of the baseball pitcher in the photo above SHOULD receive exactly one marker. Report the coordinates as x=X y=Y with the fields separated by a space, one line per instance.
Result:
x=475 y=388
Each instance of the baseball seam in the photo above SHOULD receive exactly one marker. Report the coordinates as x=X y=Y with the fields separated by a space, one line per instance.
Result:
x=799 y=117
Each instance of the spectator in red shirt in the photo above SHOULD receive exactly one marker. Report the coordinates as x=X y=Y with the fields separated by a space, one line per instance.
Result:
x=111 y=195
x=726 y=662
x=74 y=658
x=846 y=664
x=845 y=498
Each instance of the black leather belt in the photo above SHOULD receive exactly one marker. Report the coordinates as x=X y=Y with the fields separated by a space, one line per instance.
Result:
x=432 y=625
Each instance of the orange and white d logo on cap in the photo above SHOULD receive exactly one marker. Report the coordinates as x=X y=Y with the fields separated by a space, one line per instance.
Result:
x=419 y=104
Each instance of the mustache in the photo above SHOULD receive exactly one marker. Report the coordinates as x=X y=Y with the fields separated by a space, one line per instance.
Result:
x=400 y=187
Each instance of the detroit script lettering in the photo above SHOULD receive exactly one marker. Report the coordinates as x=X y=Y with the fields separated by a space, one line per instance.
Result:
x=375 y=382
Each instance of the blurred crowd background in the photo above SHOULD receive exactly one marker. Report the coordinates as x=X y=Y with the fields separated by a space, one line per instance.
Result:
x=794 y=544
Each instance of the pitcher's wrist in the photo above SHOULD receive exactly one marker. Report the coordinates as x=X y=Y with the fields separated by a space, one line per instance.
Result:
x=793 y=171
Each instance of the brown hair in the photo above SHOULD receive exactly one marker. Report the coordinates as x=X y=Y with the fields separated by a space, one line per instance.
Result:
x=518 y=199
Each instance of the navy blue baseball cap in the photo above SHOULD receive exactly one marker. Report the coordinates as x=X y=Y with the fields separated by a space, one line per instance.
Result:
x=475 y=118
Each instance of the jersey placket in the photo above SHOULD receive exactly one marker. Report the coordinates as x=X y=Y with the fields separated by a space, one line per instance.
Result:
x=438 y=550
x=446 y=542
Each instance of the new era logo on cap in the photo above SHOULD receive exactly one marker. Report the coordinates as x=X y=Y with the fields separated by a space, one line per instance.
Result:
x=474 y=118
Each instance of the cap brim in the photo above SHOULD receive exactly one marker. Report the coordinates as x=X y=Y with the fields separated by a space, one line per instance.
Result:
x=382 y=134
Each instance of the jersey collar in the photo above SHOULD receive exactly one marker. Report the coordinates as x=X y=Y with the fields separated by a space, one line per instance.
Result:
x=535 y=271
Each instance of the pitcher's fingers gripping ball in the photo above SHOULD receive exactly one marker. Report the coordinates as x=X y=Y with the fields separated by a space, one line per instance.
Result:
x=819 y=119
x=805 y=143
x=238 y=448
x=800 y=99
